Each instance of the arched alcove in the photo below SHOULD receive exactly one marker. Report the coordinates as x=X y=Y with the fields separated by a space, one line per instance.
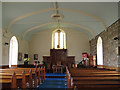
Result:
x=13 y=51
x=99 y=51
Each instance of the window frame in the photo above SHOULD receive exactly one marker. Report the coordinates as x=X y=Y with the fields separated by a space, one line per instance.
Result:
x=53 y=39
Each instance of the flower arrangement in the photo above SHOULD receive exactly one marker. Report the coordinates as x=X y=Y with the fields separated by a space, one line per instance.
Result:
x=26 y=60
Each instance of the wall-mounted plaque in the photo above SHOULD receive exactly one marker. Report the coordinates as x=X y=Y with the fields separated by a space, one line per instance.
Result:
x=25 y=55
x=35 y=56
x=19 y=56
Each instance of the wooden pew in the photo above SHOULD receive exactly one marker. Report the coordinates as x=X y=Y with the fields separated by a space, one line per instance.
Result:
x=38 y=75
x=20 y=77
x=36 y=71
x=7 y=81
x=94 y=79
x=30 y=75
x=32 y=78
x=27 y=77
x=97 y=84
x=83 y=72
x=69 y=79
x=23 y=77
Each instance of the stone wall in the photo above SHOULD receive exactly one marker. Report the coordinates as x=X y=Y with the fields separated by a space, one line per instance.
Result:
x=110 y=46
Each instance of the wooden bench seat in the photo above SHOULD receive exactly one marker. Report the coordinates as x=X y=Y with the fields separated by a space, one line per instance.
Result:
x=5 y=80
x=97 y=75
x=20 y=78
x=24 y=76
x=94 y=79
x=94 y=72
x=9 y=81
x=97 y=87
x=27 y=79
x=7 y=77
x=72 y=70
x=97 y=82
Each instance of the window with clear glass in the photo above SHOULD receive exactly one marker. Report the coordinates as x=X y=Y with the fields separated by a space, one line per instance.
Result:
x=58 y=39
x=13 y=51
x=99 y=51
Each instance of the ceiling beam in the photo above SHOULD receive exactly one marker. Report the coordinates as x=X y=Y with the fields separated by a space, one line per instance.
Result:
x=45 y=24
x=55 y=7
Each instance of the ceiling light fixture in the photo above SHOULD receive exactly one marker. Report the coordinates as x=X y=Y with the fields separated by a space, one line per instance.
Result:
x=57 y=16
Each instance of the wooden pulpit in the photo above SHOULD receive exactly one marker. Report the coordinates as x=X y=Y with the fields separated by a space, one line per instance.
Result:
x=58 y=57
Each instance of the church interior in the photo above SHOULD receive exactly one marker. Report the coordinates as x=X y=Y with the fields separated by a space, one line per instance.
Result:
x=60 y=45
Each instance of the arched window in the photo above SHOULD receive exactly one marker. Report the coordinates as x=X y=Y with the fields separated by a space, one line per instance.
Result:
x=99 y=51
x=58 y=39
x=13 y=51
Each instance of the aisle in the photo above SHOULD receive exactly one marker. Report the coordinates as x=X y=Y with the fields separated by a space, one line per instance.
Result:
x=54 y=82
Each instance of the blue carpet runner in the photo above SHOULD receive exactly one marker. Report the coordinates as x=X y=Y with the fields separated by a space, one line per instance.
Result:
x=54 y=83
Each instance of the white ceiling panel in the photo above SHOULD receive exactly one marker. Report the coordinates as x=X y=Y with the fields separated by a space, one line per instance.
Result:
x=32 y=17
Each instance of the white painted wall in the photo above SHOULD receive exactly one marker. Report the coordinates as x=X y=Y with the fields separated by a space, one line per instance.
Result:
x=0 y=46
x=41 y=43
x=0 y=33
x=22 y=44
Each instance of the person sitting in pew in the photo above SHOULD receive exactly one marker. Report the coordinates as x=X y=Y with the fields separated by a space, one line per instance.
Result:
x=81 y=64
